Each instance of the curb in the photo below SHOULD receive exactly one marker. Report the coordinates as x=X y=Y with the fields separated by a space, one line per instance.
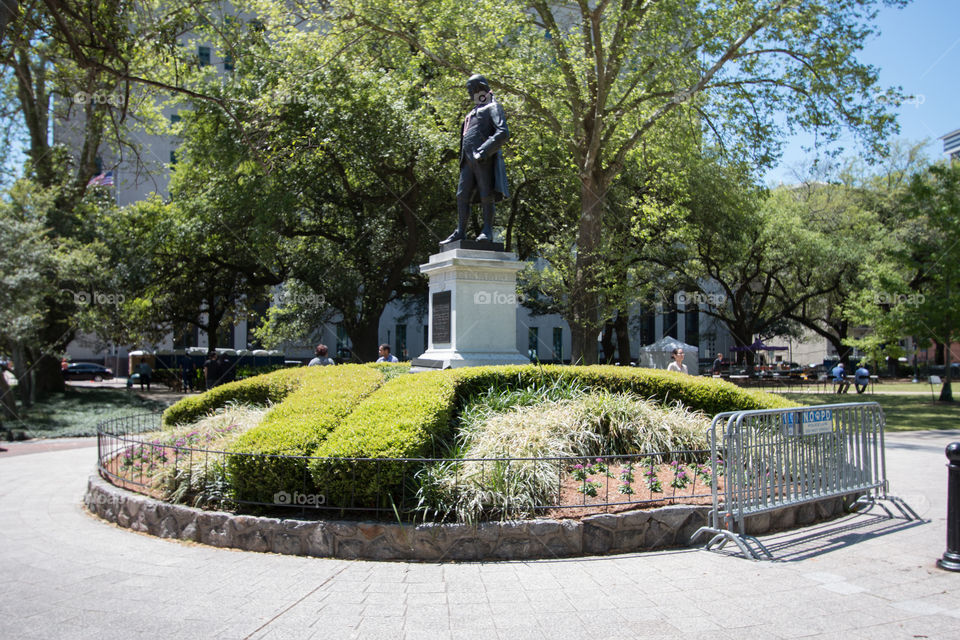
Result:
x=628 y=532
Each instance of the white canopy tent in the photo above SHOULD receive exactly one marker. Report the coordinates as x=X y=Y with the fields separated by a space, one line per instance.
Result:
x=657 y=355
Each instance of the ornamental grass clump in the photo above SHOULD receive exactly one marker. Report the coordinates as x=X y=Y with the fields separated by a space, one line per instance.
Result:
x=589 y=424
x=183 y=464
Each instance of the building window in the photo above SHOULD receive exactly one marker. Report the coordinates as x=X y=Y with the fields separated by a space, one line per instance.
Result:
x=558 y=344
x=648 y=328
x=203 y=56
x=173 y=156
x=343 y=343
x=228 y=62
x=225 y=335
x=186 y=336
x=533 y=339
x=174 y=118
x=670 y=324
x=426 y=337
x=400 y=345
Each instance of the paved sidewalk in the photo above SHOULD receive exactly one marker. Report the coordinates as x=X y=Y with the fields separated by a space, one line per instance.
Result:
x=64 y=574
x=43 y=445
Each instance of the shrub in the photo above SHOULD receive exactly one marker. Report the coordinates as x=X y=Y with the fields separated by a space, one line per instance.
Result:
x=257 y=391
x=700 y=394
x=295 y=427
x=405 y=418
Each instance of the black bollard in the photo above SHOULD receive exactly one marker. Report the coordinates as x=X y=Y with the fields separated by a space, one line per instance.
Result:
x=951 y=557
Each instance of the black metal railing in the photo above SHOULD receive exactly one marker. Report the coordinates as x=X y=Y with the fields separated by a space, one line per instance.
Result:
x=472 y=489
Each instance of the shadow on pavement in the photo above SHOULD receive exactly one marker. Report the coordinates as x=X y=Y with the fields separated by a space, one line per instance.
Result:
x=794 y=546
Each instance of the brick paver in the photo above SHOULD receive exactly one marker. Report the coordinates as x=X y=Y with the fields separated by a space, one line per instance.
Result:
x=68 y=575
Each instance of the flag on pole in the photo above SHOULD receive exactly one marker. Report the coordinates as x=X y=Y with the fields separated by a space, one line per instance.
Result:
x=102 y=180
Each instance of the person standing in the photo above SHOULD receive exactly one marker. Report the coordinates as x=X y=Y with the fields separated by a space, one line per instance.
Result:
x=188 y=375
x=385 y=355
x=861 y=378
x=718 y=364
x=677 y=364
x=211 y=370
x=840 y=379
x=145 y=372
x=321 y=359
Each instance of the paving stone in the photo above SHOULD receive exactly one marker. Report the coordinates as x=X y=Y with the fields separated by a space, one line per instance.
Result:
x=67 y=574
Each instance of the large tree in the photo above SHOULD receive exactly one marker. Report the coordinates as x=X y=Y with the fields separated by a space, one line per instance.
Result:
x=735 y=250
x=603 y=76
x=45 y=84
x=326 y=167
x=851 y=215
x=929 y=260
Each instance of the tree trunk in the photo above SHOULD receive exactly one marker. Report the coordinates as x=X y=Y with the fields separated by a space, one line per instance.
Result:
x=365 y=337
x=843 y=351
x=606 y=342
x=946 y=391
x=585 y=306
x=622 y=328
x=743 y=338
x=47 y=375
x=8 y=401
x=23 y=369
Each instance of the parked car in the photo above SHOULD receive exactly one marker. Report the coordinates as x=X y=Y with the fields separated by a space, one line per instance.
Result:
x=87 y=371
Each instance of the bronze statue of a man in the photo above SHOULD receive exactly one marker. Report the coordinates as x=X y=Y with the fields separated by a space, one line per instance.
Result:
x=483 y=174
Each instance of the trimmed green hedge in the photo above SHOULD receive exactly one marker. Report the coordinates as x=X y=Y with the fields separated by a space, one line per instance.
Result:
x=295 y=427
x=258 y=390
x=403 y=419
x=709 y=395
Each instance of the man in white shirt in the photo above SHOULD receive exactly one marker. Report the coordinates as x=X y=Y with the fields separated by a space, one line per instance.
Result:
x=385 y=354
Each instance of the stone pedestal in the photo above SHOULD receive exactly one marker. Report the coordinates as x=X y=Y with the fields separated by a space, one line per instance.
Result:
x=473 y=309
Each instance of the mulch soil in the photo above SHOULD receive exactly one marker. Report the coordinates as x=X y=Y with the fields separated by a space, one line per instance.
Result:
x=581 y=504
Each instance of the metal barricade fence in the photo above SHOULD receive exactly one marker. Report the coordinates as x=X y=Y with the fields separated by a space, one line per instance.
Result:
x=777 y=458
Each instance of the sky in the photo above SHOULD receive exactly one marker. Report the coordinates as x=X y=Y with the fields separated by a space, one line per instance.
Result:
x=917 y=49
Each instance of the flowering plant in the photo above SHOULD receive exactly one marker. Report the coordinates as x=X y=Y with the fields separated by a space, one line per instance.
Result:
x=680 y=476
x=626 y=479
x=653 y=482
x=580 y=472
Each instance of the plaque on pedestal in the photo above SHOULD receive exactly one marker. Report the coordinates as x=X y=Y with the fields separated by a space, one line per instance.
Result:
x=473 y=308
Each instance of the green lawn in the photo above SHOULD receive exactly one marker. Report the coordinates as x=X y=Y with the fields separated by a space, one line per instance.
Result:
x=77 y=411
x=921 y=387
x=903 y=412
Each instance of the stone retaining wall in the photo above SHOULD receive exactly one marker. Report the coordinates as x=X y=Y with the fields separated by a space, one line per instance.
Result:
x=517 y=540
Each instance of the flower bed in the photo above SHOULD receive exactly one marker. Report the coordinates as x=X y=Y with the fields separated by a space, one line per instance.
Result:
x=358 y=439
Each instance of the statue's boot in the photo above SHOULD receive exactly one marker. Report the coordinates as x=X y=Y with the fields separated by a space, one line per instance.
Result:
x=463 y=212
x=486 y=234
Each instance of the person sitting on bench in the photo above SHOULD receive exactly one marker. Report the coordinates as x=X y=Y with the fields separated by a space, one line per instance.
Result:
x=840 y=379
x=861 y=378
